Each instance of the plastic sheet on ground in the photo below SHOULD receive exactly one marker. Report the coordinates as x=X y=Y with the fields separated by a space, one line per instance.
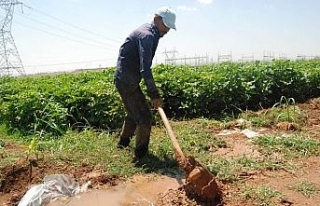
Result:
x=53 y=187
x=250 y=133
x=247 y=132
x=226 y=132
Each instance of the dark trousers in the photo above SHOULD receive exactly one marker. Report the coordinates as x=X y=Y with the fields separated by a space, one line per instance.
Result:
x=138 y=118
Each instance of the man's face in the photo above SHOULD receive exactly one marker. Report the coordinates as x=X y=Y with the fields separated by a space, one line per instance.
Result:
x=163 y=29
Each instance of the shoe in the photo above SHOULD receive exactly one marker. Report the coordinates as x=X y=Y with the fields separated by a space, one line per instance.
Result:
x=126 y=133
x=141 y=152
x=123 y=142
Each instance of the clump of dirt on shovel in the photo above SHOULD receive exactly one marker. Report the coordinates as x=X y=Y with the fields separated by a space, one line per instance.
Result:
x=200 y=183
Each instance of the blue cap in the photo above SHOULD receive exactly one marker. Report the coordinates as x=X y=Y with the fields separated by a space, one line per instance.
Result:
x=168 y=17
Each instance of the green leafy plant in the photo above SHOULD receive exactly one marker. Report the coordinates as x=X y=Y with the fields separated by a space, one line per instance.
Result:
x=33 y=149
x=59 y=102
x=290 y=112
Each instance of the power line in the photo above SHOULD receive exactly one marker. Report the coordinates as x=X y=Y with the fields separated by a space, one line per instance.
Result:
x=68 y=63
x=72 y=25
x=53 y=34
x=54 y=27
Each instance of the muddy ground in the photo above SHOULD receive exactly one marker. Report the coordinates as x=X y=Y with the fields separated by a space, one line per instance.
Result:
x=17 y=178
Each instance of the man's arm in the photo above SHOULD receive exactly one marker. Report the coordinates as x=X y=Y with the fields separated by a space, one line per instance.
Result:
x=145 y=53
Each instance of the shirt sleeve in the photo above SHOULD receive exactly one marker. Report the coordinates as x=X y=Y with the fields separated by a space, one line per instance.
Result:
x=146 y=56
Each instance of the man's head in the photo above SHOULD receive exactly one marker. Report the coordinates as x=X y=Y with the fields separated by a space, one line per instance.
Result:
x=165 y=19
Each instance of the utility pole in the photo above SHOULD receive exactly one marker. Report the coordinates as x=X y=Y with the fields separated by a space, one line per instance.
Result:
x=172 y=58
x=10 y=62
x=268 y=56
x=224 y=57
x=247 y=58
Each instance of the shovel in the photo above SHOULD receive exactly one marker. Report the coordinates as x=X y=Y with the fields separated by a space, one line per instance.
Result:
x=199 y=181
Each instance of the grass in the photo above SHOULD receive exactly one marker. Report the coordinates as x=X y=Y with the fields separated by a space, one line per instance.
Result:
x=99 y=148
x=306 y=188
x=290 y=147
x=230 y=170
x=196 y=137
x=92 y=148
x=283 y=111
x=7 y=157
x=260 y=195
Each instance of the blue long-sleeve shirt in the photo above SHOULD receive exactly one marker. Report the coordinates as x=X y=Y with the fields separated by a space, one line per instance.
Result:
x=135 y=59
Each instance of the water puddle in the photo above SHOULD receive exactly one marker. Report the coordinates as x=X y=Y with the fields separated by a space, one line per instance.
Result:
x=140 y=190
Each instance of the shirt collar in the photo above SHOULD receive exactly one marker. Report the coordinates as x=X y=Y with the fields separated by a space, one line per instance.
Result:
x=155 y=29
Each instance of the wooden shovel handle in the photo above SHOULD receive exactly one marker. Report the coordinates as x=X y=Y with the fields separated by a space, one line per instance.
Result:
x=170 y=133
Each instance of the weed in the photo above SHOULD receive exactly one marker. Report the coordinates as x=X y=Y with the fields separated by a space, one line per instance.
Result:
x=8 y=157
x=261 y=195
x=258 y=119
x=285 y=103
x=290 y=147
x=306 y=188
x=226 y=170
x=229 y=170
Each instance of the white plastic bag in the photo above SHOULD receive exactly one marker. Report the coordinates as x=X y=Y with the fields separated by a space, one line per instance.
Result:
x=54 y=186
x=33 y=196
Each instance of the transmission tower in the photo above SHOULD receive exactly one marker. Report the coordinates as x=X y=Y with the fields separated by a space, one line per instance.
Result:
x=171 y=59
x=10 y=62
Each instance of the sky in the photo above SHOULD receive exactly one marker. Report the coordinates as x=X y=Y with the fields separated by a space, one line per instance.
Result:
x=63 y=35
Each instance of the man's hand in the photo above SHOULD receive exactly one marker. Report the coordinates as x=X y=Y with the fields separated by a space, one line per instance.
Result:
x=156 y=103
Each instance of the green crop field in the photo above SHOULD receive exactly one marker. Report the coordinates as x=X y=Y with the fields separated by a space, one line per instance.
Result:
x=54 y=104
x=68 y=123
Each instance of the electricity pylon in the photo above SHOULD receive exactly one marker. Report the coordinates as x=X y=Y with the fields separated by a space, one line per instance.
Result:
x=10 y=62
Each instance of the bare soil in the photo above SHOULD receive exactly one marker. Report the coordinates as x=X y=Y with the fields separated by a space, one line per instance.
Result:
x=17 y=178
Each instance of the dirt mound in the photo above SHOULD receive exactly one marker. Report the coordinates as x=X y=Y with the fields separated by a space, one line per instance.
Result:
x=178 y=197
x=175 y=198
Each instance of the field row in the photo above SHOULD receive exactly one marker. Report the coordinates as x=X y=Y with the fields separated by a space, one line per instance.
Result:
x=52 y=104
